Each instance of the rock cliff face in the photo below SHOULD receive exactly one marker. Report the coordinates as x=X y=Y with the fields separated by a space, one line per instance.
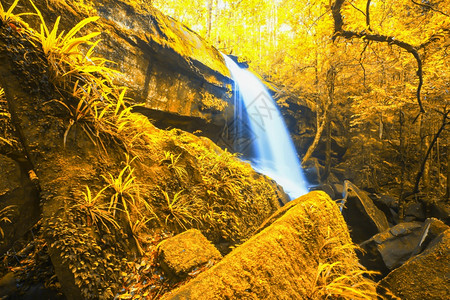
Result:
x=167 y=67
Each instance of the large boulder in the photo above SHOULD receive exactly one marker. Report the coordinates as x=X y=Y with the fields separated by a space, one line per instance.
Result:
x=425 y=276
x=390 y=249
x=285 y=259
x=178 y=78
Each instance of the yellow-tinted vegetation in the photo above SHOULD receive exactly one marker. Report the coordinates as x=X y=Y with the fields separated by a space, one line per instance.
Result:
x=195 y=184
x=172 y=180
x=379 y=69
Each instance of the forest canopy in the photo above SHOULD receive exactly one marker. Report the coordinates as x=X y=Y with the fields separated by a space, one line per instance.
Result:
x=380 y=68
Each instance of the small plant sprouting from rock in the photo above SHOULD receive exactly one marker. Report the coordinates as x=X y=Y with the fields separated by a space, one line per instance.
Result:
x=8 y=18
x=5 y=217
x=95 y=210
x=96 y=270
x=65 y=59
x=338 y=278
x=173 y=164
x=331 y=282
x=179 y=210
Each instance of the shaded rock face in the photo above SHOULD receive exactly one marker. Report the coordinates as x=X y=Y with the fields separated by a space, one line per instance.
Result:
x=17 y=190
x=362 y=216
x=390 y=249
x=425 y=276
x=280 y=262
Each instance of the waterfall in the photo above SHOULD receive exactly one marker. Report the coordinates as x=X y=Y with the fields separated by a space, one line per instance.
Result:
x=261 y=134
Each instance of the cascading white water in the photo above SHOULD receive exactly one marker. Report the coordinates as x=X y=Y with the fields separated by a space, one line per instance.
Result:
x=273 y=152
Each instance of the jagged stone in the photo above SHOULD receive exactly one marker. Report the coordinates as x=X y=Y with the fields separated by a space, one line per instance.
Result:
x=440 y=210
x=186 y=252
x=414 y=212
x=425 y=276
x=280 y=262
x=362 y=216
x=390 y=249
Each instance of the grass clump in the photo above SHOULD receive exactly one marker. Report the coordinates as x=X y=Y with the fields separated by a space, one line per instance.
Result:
x=10 y=19
x=96 y=210
x=334 y=281
x=5 y=217
x=66 y=60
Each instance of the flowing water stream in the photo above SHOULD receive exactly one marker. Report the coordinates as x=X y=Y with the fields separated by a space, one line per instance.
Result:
x=261 y=134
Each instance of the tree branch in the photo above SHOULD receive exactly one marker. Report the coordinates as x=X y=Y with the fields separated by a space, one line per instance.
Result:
x=430 y=7
x=339 y=31
x=368 y=15
x=355 y=7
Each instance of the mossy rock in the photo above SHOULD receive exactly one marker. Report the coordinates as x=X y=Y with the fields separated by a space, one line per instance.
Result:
x=284 y=260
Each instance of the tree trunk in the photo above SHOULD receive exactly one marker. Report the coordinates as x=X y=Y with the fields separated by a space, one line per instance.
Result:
x=209 y=20
x=327 y=152
x=424 y=161
x=317 y=136
x=426 y=170
x=401 y=201
x=448 y=173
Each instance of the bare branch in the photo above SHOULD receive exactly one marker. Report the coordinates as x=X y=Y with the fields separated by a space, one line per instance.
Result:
x=357 y=8
x=430 y=7
x=424 y=161
x=339 y=31
x=368 y=15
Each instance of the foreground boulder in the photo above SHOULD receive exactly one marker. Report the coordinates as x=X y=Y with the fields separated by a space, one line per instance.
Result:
x=292 y=258
x=390 y=249
x=425 y=276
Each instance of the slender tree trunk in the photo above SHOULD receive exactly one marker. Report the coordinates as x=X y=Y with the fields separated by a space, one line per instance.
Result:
x=448 y=173
x=426 y=170
x=317 y=136
x=331 y=79
x=209 y=20
x=320 y=122
x=401 y=201
x=424 y=161
x=327 y=151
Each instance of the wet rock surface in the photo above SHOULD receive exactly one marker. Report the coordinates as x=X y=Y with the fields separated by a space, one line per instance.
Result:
x=166 y=66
